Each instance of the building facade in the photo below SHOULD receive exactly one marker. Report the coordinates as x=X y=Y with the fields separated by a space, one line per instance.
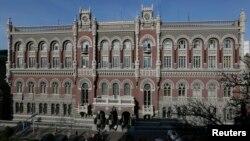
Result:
x=144 y=66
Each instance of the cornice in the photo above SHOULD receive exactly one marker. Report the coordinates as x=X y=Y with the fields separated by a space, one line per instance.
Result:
x=42 y=72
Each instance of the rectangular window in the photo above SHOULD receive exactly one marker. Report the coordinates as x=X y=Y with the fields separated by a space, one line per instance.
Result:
x=19 y=63
x=31 y=62
x=85 y=61
x=182 y=61
x=44 y=62
x=55 y=62
x=115 y=62
x=127 y=61
x=211 y=62
x=197 y=62
x=167 y=62
x=105 y=61
x=68 y=62
x=147 y=62
x=227 y=62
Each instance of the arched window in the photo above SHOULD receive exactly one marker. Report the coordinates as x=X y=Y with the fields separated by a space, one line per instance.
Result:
x=212 y=44
x=45 y=108
x=127 y=44
x=33 y=107
x=115 y=44
x=228 y=113
x=68 y=46
x=57 y=109
x=227 y=43
x=227 y=91
x=43 y=46
x=104 y=44
x=69 y=109
x=167 y=44
x=167 y=90
x=182 y=44
x=211 y=90
x=28 y=108
x=40 y=108
x=85 y=47
x=196 y=90
x=147 y=95
x=115 y=54
x=31 y=46
x=55 y=88
x=18 y=46
x=55 y=46
x=197 y=44
x=182 y=89
x=115 y=89
x=43 y=87
x=126 y=89
x=67 y=88
x=127 y=56
x=19 y=87
x=52 y=109
x=31 y=87
x=85 y=89
x=17 y=107
x=64 y=109
x=104 y=88
x=147 y=44
x=21 y=107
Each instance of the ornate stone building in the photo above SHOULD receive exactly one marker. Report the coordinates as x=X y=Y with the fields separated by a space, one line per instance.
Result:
x=66 y=70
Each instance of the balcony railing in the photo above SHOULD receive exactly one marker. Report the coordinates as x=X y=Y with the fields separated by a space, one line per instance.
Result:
x=114 y=100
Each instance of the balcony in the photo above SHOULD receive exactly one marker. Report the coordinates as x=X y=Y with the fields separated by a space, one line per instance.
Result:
x=147 y=110
x=120 y=101
x=147 y=50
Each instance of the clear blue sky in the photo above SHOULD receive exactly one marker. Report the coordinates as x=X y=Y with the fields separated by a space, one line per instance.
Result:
x=52 y=12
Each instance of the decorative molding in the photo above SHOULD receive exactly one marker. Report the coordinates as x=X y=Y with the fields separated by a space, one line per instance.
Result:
x=102 y=81
x=147 y=81
x=84 y=80
x=169 y=81
x=31 y=80
x=198 y=81
x=147 y=36
x=84 y=38
x=55 y=80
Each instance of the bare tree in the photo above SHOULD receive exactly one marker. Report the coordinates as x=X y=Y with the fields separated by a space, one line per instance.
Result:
x=240 y=82
x=198 y=112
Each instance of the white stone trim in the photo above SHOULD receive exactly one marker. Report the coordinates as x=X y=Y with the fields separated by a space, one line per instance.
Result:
x=31 y=80
x=115 y=81
x=213 y=81
x=147 y=36
x=182 y=81
x=82 y=39
x=21 y=80
x=169 y=81
x=127 y=81
x=84 y=80
x=103 y=39
x=198 y=81
x=149 y=81
x=55 y=80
